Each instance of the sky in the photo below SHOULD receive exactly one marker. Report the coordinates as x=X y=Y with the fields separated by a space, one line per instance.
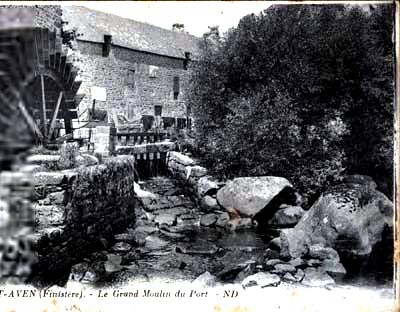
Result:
x=195 y=15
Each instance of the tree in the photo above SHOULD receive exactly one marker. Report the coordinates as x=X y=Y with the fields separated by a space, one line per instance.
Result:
x=288 y=90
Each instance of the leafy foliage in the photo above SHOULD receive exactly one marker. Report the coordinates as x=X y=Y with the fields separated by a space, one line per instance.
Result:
x=301 y=91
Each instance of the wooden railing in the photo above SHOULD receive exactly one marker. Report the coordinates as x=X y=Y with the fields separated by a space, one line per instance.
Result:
x=130 y=138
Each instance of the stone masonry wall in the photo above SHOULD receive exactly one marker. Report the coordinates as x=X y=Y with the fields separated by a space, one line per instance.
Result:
x=131 y=90
x=96 y=203
x=48 y=16
x=44 y=16
x=16 y=227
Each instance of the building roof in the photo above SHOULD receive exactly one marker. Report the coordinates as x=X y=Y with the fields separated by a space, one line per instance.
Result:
x=93 y=25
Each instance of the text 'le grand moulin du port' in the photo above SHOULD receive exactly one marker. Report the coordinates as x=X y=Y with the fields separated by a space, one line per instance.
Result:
x=109 y=293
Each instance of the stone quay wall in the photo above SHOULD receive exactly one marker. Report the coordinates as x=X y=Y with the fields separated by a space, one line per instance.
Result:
x=192 y=174
x=79 y=211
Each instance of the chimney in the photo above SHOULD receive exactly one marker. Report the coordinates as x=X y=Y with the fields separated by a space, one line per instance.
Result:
x=178 y=27
x=107 y=45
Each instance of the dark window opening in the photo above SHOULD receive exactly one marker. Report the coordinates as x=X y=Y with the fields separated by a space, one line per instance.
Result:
x=187 y=60
x=168 y=122
x=176 y=87
x=157 y=110
x=147 y=121
x=181 y=123
x=130 y=78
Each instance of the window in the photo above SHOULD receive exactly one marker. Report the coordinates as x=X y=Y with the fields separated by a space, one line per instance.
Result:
x=130 y=78
x=153 y=71
x=157 y=110
x=176 y=87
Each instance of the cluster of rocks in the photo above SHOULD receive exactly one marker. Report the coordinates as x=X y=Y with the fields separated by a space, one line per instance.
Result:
x=308 y=248
x=241 y=203
x=352 y=220
x=319 y=268
x=163 y=232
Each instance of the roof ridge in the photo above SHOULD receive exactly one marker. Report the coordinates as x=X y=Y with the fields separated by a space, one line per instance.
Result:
x=93 y=24
x=131 y=20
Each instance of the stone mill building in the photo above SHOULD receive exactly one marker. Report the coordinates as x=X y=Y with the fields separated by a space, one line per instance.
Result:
x=143 y=69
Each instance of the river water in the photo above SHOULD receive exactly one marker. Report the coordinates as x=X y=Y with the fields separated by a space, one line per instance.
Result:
x=160 y=249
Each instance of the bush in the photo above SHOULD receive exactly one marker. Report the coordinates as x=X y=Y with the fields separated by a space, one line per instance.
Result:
x=69 y=153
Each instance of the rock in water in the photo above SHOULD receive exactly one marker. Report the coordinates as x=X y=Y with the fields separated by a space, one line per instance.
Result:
x=321 y=253
x=248 y=196
x=350 y=219
x=261 y=279
x=287 y=217
x=208 y=219
x=121 y=247
x=209 y=203
x=282 y=268
x=153 y=242
x=316 y=278
x=294 y=243
x=223 y=220
x=113 y=264
x=206 y=280
x=206 y=185
x=334 y=268
x=78 y=271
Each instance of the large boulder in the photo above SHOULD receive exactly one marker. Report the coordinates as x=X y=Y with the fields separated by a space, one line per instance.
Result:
x=249 y=195
x=349 y=218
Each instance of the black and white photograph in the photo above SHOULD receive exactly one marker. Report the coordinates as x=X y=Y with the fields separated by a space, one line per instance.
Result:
x=223 y=156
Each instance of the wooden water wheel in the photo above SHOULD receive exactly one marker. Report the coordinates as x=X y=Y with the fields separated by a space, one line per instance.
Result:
x=38 y=90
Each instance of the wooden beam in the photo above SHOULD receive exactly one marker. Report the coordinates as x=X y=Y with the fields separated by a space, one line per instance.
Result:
x=53 y=120
x=31 y=123
x=62 y=65
x=68 y=123
x=37 y=46
x=44 y=118
x=57 y=61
